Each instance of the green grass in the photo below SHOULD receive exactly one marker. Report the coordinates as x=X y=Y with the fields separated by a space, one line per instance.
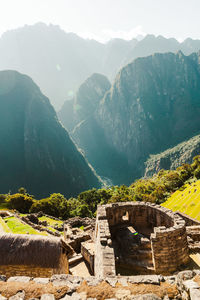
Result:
x=186 y=201
x=4 y=226
x=16 y=226
x=51 y=222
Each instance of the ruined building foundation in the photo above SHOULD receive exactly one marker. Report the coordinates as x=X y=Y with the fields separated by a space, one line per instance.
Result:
x=138 y=238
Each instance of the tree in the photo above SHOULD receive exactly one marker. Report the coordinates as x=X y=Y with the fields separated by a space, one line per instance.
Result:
x=20 y=202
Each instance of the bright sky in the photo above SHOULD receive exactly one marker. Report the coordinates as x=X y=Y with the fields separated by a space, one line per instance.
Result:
x=105 y=19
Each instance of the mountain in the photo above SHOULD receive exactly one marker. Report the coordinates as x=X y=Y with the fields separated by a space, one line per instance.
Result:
x=152 y=44
x=78 y=116
x=60 y=62
x=36 y=151
x=150 y=106
x=174 y=157
x=147 y=110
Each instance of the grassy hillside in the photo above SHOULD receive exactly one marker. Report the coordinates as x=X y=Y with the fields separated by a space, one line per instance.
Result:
x=186 y=200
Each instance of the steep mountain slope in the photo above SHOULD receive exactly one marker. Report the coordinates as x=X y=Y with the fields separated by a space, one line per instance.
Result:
x=153 y=105
x=85 y=102
x=36 y=151
x=77 y=116
x=174 y=157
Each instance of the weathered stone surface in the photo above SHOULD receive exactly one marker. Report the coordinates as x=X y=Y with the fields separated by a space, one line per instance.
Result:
x=194 y=294
x=123 y=281
x=19 y=279
x=18 y=296
x=92 y=281
x=2 y=278
x=151 y=279
x=185 y=275
x=170 y=279
x=60 y=279
x=146 y=297
x=111 y=281
x=41 y=280
x=47 y=297
x=190 y=284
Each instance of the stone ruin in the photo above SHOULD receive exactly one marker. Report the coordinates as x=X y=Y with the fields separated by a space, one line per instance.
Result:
x=139 y=238
x=133 y=238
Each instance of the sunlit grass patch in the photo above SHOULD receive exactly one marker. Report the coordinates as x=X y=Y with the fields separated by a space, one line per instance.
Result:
x=186 y=201
x=16 y=226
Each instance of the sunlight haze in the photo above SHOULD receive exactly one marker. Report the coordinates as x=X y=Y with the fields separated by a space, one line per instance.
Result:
x=106 y=19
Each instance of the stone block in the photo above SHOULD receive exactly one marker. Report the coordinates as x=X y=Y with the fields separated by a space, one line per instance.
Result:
x=41 y=280
x=24 y=279
x=194 y=294
x=47 y=297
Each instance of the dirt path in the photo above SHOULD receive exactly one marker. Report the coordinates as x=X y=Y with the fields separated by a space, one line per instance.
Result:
x=80 y=269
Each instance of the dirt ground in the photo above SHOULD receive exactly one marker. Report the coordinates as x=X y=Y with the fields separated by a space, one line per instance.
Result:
x=101 y=291
x=32 y=289
x=105 y=291
x=80 y=269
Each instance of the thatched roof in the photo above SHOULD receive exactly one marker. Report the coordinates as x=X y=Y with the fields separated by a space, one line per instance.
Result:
x=18 y=249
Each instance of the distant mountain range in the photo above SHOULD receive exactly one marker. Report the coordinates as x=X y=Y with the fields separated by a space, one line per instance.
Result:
x=153 y=104
x=36 y=151
x=59 y=62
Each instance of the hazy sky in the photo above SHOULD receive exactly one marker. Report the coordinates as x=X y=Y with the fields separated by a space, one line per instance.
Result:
x=104 y=19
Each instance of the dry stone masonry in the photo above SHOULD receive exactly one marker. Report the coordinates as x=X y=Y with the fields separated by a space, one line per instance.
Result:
x=139 y=237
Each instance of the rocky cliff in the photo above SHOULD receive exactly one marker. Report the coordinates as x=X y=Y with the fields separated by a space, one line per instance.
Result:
x=36 y=151
x=78 y=116
x=153 y=105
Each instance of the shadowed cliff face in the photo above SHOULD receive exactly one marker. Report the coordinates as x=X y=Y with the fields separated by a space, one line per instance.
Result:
x=36 y=151
x=153 y=104
x=78 y=116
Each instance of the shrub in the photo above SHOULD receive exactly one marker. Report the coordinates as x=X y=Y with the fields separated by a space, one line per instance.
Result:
x=20 y=202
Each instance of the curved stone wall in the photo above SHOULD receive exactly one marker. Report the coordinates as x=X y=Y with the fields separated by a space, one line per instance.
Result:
x=167 y=235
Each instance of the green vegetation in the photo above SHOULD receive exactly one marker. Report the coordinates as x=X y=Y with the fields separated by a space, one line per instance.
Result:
x=4 y=226
x=156 y=189
x=50 y=221
x=186 y=201
x=173 y=157
x=21 y=202
x=16 y=226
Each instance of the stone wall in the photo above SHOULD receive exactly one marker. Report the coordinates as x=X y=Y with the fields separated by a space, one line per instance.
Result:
x=104 y=263
x=188 y=220
x=167 y=235
x=87 y=251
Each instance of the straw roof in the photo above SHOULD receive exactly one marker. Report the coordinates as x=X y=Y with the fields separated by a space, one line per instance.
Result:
x=41 y=251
